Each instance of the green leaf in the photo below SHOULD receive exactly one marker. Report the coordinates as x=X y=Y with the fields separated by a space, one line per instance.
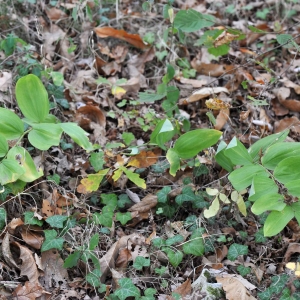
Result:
x=163 y=132
x=128 y=137
x=169 y=75
x=187 y=194
x=23 y=158
x=56 y=221
x=134 y=177
x=195 y=245
x=52 y=241
x=30 y=219
x=11 y=126
x=255 y=30
x=278 y=152
x=127 y=289
x=174 y=160
x=160 y=271
x=235 y=250
x=123 y=217
x=259 y=148
x=176 y=239
x=288 y=169
x=268 y=202
x=32 y=98
x=237 y=153
x=149 y=97
x=277 y=220
x=10 y=171
x=284 y=39
x=43 y=136
x=192 y=142
x=190 y=20
x=141 y=262
x=222 y=159
x=78 y=135
x=243 y=270
x=72 y=260
x=104 y=219
x=259 y=236
x=94 y=241
x=3 y=146
x=261 y=186
x=92 y=182
x=162 y=195
x=175 y=256
x=97 y=160
x=54 y=177
x=57 y=78
x=93 y=278
x=242 y=177
x=293 y=187
x=3 y=217
x=220 y=50
x=213 y=209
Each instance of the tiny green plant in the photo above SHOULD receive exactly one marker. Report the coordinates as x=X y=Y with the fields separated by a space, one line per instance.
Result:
x=42 y=129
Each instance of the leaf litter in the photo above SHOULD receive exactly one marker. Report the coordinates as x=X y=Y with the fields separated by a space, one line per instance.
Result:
x=66 y=39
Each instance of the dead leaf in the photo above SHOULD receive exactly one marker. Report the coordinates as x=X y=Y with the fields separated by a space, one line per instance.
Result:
x=184 y=289
x=90 y=113
x=145 y=205
x=14 y=223
x=123 y=258
x=7 y=253
x=291 y=84
x=234 y=289
x=5 y=81
x=133 y=39
x=194 y=82
x=47 y=208
x=292 y=248
x=31 y=238
x=55 y=14
x=224 y=38
x=214 y=70
x=30 y=291
x=133 y=196
x=216 y=104
x=203 y=93
x=222 y=118
x=292 y=123
x=143 y=160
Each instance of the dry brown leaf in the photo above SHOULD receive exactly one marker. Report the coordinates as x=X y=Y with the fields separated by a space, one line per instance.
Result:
x=14 y=223
x=137 y=217
x=291 y=84
x=282 y=94
x=222 y=118
x=47 y=208
x=7 y=253
x=28 y=267
x=133 y=39
x=145 y=205
x=123 y=258
x=5 y=81
x=221 y=253
x=31 y=238
x=279 y=109
x=184 y=289
x=203 y=93
x=194 y=82
x=55 y=14
x=292 y=123
x=234 y=289
x=30 y=291
x=143 y=160
x=224 y=38
x=213 y=70
x=292 y=248
x=90 y=113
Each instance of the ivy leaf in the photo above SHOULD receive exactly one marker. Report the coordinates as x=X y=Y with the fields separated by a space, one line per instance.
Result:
x=235 y=250
x=127 y=289
x=123 y=217
x=105 y=218
x=52 y=241
x=94 y=241
x=141 y=262
x=56 y=221
x=175 y=256
x=243 y=270
x=195 y=245
x=162 y=195
x=30 y=219
x=93 y=278
x=2 y=217
x=174 y=240
x=72 y=260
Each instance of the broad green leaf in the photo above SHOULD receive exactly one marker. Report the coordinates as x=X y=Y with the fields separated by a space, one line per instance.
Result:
x=128 y=137
x=105 y=218
x=158 y=242
x=97 y=160
x=259 y=148
x=241 y=178
x=296 y=208
x=72 y=260
x=169 y=75
x=268 y=202
x=195 y=245
x=110 y=200
x=56 y=221
x=261 y=186
x=220 y=50
x=190 y=20
x=237 y=153
x=78 y=135
x=141 y=262
x=93 y=278
x=243 y=270
x=145 y=97
x=222 y=159
x=284 y=39
x=94 y=241
x=278 y=152
x=277 y=220
x=25 y=161
x=162 y=195
x=43 y=136
x=10 y=171
x=163 y=132
x=11 y=126
x=32 y=98
x=192 y=142
x=256 y=30
x=213 y=209
x=57 y=78
x=3 y=217
x=92 y=182
x=176 y=239
x=288 y=169
x=127 y=289
x=175 y=256
x=3 y=146
x=123 y=218
x=52 y=241
x=236 y=250
x=134 y=177
x=174 y=160
x=293 y=187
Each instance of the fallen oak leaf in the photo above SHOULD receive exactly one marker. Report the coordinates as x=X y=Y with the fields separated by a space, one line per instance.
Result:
x=133 y=39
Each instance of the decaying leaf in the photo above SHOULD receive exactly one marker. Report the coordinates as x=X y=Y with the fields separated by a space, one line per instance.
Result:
x=225 y=38
x=222 y=118
x=143 y=160
x=30 y=291
x=7 y=253
x=184 y=289
x=145 y=205
x=216 y=104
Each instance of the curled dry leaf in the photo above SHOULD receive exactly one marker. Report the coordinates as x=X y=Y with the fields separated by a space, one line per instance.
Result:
x=90 y=113
x=213 y=70
x=292 y=248
x=30 y=291
x=225 y=38
x=145 y=205
x=133 y=39
x=7 y=253
x=184 y=289
x=203 y=93
x=234 y=289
